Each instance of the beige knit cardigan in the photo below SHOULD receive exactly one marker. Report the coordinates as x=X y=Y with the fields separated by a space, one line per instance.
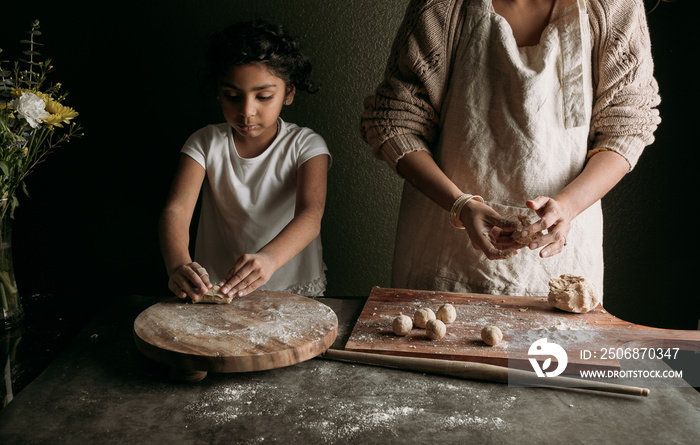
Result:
x=404 y=113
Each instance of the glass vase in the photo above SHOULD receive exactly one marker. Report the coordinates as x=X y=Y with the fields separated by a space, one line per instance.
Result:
x=11 y=312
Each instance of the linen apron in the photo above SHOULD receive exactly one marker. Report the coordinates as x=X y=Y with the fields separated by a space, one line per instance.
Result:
x=514 y=126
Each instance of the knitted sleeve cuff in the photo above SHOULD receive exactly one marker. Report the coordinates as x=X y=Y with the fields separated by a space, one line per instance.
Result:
x=397 y=147
x=629 y=147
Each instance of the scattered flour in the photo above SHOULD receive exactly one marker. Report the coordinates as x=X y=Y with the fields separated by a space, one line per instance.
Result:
x=461 y=420
x=353 y=410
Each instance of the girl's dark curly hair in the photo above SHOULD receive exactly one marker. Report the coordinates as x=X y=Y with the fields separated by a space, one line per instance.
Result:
x=259 y=41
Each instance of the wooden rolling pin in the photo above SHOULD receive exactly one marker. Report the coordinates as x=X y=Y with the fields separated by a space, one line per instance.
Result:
x=478 y=371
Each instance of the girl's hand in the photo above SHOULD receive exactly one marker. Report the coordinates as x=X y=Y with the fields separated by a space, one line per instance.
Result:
x=489 y=231
x=555 y=219
x=249 y=273
x=189 y=280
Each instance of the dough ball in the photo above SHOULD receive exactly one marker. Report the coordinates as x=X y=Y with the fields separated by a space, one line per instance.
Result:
x=491 y=335
x=422 y=315
x=525 y=240
x=447 y=313
x=573 y=294
x=402 y=325
x=214 y=296
x=435 y=329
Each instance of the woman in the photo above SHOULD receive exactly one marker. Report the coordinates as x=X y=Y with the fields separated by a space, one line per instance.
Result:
x=536 y=107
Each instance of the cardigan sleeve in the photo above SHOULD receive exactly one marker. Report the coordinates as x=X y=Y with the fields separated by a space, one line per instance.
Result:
x=624 y=115
x=403 y=114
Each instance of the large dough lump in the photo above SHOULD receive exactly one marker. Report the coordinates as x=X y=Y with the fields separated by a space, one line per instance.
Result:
x=573 y=294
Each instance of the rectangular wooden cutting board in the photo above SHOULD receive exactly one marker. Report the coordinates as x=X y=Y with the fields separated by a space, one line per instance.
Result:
x=522 y=320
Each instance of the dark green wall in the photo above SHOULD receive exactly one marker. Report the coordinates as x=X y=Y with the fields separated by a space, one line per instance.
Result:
x=134 y=73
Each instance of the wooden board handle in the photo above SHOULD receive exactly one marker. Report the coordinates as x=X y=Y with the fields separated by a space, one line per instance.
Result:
x=478 y=371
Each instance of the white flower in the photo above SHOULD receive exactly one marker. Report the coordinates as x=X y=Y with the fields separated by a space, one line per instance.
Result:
x=31 y=107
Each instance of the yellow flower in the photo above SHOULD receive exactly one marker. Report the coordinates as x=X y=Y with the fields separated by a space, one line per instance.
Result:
x=17 y=92
x=58 y=114
x=6 y=106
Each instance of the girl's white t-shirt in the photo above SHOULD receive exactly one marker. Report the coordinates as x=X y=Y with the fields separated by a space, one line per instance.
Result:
x=246 y=202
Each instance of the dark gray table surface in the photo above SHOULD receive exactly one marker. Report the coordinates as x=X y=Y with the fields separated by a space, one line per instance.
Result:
x=103 y=391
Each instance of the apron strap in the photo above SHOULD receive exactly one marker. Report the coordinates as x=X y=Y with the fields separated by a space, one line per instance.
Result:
x=572 y=14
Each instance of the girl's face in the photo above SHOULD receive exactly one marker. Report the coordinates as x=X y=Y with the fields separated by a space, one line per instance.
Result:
x=251 y=99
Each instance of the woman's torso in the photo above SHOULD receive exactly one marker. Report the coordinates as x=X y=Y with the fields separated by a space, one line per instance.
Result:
x=514 y=125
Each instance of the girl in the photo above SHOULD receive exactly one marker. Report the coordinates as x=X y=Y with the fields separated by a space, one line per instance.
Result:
x=494 y=109
x=263 y=180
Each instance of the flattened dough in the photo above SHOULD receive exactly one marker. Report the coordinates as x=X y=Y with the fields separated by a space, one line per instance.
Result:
x=214 y=296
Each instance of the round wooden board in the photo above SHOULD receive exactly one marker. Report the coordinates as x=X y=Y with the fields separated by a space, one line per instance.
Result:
x=263 y=330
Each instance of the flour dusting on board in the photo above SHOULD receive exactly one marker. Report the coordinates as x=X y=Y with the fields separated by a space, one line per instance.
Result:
x=373 y=331
x=255 y=322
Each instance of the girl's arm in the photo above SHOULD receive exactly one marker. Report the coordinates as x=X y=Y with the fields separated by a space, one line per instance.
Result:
x=253 y=270
x=187 y=278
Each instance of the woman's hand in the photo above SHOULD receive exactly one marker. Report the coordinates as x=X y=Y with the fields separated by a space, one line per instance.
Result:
x=555 y=219
x=189 y=280
x=602 y=171
x=488 y=231
x=249 y=273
